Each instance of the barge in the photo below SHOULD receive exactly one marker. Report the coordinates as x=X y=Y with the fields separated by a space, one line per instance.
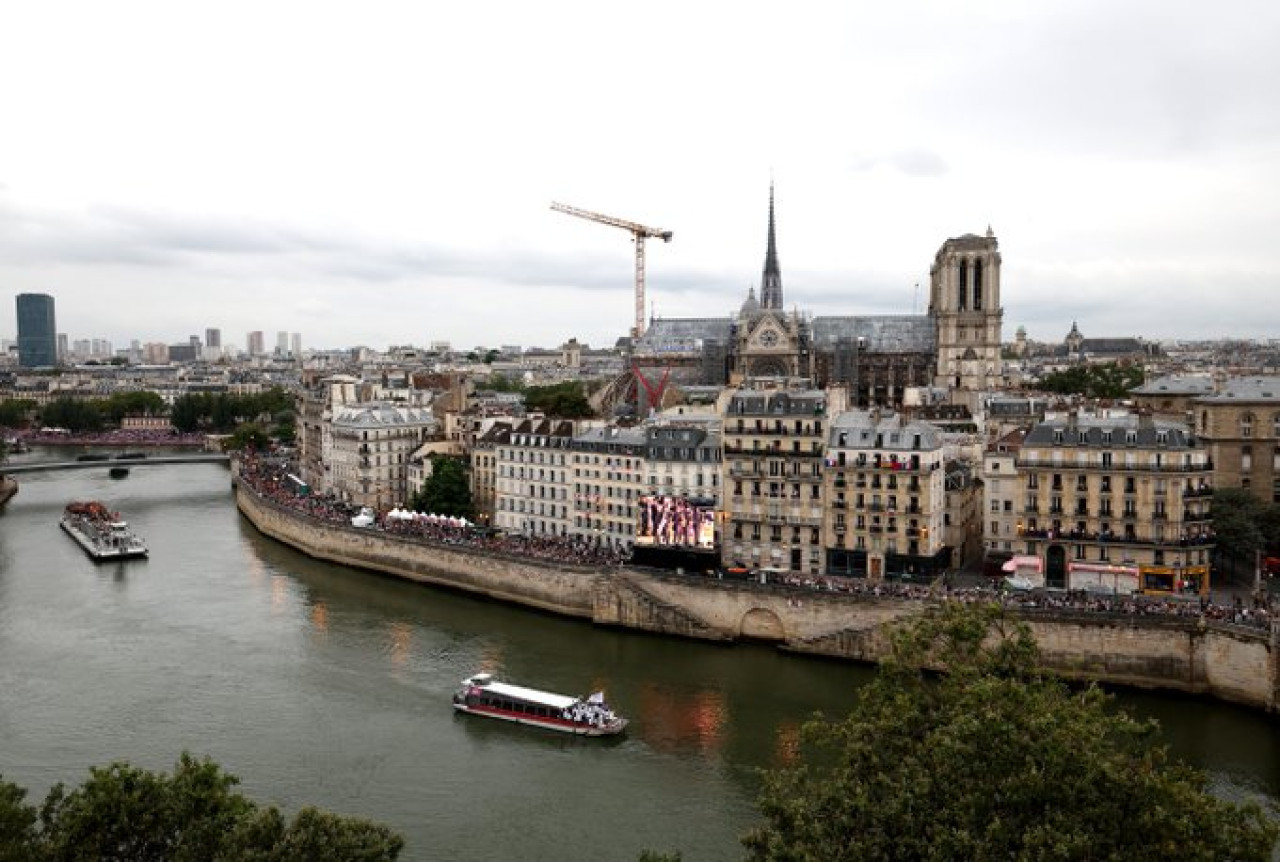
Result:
x=101 y=533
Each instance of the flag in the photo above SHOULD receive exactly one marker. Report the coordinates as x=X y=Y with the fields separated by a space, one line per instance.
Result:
x=598 y=697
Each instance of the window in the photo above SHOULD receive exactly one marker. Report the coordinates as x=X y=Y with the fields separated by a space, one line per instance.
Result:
x=1246 y=458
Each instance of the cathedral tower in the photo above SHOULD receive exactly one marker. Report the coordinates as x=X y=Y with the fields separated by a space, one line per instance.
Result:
x=964 y=302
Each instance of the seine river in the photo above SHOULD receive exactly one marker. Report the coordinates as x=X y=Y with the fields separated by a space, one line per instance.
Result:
x=322 y=685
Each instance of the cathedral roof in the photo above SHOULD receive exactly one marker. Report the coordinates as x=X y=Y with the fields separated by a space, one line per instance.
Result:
x=884 y=333
x=664 y=330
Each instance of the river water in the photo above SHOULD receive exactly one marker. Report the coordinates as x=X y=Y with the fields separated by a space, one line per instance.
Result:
x=321 y=685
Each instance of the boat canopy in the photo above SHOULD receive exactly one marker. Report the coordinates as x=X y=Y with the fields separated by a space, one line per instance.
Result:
x=519 y=692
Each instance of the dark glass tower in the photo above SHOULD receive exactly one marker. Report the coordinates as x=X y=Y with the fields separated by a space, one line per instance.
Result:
x=771 y=283
x=37 y=331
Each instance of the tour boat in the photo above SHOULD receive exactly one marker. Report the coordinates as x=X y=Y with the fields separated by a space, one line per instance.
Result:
x=102 y=534
x=591 y=716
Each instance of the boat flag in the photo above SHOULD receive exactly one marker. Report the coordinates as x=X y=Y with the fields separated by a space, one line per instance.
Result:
x=598 y=697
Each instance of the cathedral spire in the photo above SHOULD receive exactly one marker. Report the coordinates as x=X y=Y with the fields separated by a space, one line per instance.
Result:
x=771 y=284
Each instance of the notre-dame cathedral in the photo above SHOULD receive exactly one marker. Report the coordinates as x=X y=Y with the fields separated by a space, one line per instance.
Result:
x=954 y=347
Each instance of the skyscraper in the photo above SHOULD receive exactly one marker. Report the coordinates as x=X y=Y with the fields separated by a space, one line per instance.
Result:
x=255 y=344
x=37 y=332
x=213 y=337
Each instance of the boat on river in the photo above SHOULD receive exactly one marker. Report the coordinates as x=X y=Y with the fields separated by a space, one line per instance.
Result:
x=481 y=694
x=100 y=532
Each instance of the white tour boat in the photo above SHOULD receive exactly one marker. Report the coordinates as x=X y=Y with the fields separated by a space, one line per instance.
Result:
x=591 y=716
x=102 y=534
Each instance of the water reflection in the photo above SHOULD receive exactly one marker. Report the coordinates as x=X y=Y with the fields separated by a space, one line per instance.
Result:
x=675 y=720
x=400 y=638
x=320 y=618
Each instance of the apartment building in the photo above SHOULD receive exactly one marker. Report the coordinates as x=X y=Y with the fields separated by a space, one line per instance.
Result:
x=535 y=477
x=608 y=480
x=369 y=447
x=885 y=488
x=1115 y=503
x=1003 y=496
x=1240 y=427
x=774 y=439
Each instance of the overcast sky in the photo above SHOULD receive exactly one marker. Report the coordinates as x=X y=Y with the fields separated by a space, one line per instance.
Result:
x=381 y=173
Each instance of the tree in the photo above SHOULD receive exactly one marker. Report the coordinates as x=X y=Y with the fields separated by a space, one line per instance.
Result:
x=72 y=414
x=446 y=491
x=993 y=760
x=186 y=413
x=17 y=824
x=561 y=400
x=125 y=813
x=1106 y=380
x=247 y=435
x=14 y=412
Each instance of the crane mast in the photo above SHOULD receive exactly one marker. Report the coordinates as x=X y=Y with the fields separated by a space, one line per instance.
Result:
x=639 y=234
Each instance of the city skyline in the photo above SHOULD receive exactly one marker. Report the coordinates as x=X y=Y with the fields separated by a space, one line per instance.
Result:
x=391 y=183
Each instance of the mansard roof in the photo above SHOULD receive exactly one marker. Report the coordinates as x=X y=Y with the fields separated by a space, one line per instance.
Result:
x=380 y=414
x=854 y=429
x=883 y=333
x=1146 y=432
x=1246 y=389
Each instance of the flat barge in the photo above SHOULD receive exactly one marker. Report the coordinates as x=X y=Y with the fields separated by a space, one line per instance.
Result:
x=101 y=533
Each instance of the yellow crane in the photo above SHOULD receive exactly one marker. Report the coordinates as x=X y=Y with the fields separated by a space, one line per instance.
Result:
x=639 y=234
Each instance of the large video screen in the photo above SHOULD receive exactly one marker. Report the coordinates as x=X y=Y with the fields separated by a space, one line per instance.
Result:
x=676 y=522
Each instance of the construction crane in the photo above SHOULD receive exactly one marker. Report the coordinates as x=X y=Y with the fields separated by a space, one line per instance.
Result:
x=639 y=234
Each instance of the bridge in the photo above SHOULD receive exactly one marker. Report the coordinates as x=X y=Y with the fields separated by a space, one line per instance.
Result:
x=148 y=461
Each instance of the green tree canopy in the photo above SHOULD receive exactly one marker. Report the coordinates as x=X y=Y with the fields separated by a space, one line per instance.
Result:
x=73 y=414
x=1105 y=380
x=992 y=761
x=15 y=411
x=142 y=403
x=194 y=815
x=566 y=400
x=446 y=491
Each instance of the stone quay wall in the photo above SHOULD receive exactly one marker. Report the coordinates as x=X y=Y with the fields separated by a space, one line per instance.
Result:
x=1231 y=663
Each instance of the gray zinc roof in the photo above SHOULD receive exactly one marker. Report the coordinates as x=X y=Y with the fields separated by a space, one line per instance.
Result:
x=1176 y=434
x=885 y=333
x=1176 y=384
x=1247 y=389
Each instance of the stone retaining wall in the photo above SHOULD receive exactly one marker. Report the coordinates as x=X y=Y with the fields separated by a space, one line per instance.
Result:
x=1227 y=662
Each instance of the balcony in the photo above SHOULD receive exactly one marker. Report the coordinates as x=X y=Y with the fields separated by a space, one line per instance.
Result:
x=1078 y=537
x=1204 y=491
x=1039 y=464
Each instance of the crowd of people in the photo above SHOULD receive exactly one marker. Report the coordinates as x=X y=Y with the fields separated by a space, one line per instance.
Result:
x=1255 y=614
x=114 y=437
x=270 y=478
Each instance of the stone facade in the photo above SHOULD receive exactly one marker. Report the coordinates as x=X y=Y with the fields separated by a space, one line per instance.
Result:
x=1240 y=427
x=774 y=440
x=884 y=487
x=1115 y=503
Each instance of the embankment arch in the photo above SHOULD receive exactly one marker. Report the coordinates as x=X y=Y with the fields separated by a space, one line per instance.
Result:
x=762 y=624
